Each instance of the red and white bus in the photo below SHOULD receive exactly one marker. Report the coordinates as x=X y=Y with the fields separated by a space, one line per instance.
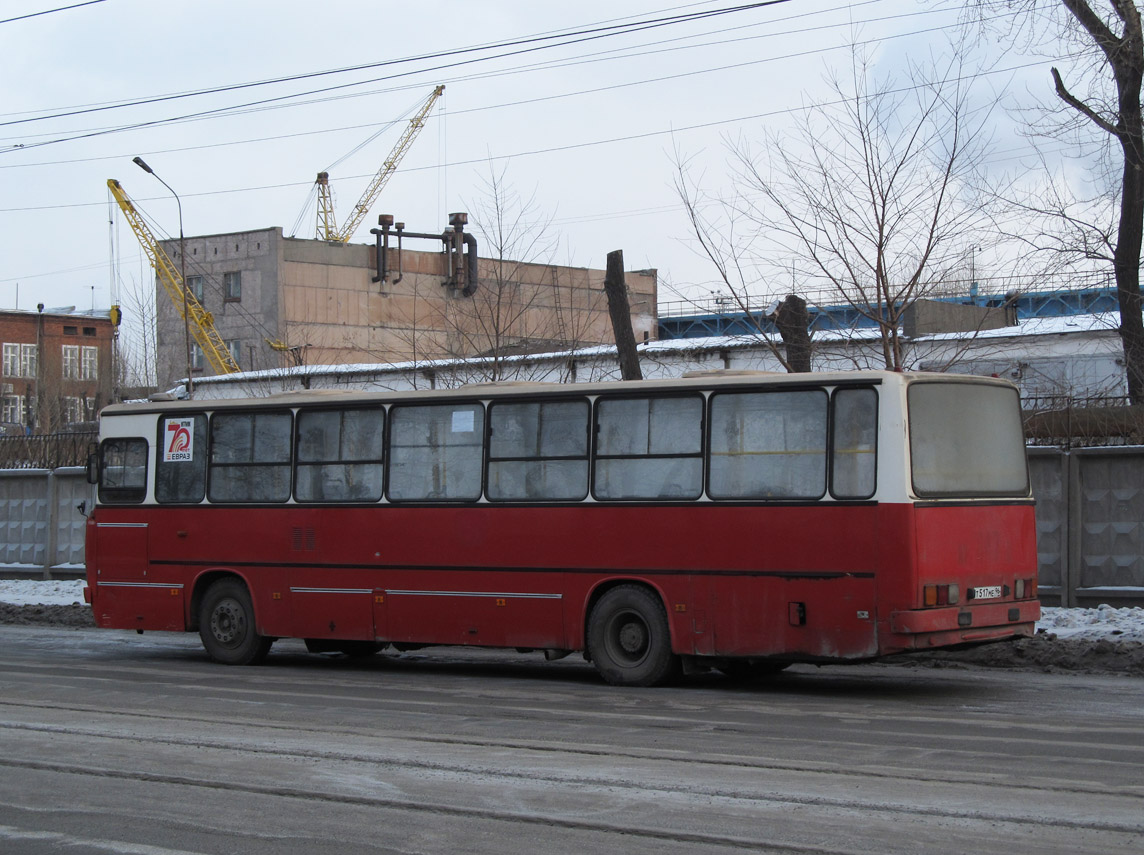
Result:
x=737 y=521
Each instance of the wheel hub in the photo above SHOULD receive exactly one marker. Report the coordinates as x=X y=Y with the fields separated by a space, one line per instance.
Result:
x=226 y=622
x=633 y=637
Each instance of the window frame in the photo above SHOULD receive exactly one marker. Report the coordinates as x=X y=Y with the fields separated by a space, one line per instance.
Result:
x=382 y=414
x=833 y=433
x=394 y=410
x=489 y=459
x=200 y=447
x=232 y=286
x=213 y=467
x=768 y=390
x=913 y=448
x=88 y=362
x=701 y=454
x=196 y=287
x=69 y=367
x=132 y=495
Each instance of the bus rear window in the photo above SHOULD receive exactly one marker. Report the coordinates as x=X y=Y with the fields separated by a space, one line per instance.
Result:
x=966 y=440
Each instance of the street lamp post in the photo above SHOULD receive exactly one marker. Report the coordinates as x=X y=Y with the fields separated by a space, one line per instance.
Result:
x=142 y=164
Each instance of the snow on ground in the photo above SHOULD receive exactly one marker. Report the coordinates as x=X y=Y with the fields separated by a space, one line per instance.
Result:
x=1103 y=622
x=22 y=592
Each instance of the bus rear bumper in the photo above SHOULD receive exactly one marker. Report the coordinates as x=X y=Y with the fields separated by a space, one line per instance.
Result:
x=965 y=624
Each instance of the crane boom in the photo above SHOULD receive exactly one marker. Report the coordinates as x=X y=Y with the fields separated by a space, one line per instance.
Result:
x=327 y=230
x=199 y=320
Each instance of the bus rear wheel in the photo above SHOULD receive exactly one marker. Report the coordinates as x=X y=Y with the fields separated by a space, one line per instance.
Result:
x=629 y=640
x=226 y=625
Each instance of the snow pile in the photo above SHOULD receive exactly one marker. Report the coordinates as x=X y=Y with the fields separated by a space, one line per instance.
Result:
x=23 y=592
x=1104 y=622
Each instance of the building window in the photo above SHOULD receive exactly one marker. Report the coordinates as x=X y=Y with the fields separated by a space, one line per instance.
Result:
x=11 y=360
x=19 y=360
x=197 y=358
x=29 y=359
x=71 y=362
x=232 y=285
x=89 y=367
x=71 y=330
x=195 y=286
x=12 y=407
x=73 y=410
x=89 y=331
x=235 y=348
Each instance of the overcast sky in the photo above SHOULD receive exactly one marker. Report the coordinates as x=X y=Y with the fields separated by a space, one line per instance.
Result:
x=579 y=108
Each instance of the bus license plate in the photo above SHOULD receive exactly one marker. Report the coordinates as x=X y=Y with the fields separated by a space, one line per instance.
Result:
x=990 y=593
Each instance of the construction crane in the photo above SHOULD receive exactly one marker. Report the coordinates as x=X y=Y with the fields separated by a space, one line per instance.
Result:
x=199 y=320
x=327 y=228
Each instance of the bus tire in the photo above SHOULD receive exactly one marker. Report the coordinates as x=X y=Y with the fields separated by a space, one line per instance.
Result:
x=226 y=625
x=629 y=639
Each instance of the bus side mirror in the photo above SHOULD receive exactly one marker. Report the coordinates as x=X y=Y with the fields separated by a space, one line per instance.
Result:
x=93 y=468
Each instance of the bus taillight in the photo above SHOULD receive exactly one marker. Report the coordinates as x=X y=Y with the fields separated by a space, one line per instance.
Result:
x=1025 y=589
x=941 y=595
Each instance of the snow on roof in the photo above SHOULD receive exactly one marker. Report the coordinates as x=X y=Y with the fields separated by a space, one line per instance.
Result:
x=1104 y=322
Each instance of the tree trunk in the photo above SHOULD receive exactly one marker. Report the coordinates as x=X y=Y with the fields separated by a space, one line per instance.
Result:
x=792 y=320
x=620 y=310
x=1130 y=232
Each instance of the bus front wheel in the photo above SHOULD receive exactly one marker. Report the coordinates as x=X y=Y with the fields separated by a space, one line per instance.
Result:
x=226 y=625
x=629 y=640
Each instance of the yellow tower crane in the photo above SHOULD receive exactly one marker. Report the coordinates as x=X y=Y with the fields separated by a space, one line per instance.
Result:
x=199 y=320
x=327 y=228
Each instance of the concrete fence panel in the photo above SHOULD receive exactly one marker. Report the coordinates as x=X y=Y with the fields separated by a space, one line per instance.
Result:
x=1049 y=473
x=41 y=526
x=1107 y=526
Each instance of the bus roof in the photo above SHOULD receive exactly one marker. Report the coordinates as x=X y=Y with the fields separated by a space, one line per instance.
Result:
x=714 y=379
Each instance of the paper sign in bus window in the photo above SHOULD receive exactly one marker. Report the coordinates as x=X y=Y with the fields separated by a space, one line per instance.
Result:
x=179 y=440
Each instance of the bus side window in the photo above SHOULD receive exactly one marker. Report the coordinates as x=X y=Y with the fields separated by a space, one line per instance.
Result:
x=538 y=451
x=340 y=455
x=250 y=457
x=854 y=460
x=181 y=459
x=436 y=452
x=649 y=448
x=123 y=471
x=768 y=445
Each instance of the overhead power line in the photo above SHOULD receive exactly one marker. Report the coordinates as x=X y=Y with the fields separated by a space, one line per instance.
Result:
x=49 y=11
x=552 y=149
x=526 y=44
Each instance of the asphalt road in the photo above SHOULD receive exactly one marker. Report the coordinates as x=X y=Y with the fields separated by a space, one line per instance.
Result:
x=114 y=742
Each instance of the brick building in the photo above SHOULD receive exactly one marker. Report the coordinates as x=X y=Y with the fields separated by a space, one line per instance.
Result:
x=57 y=368
x=278 y=301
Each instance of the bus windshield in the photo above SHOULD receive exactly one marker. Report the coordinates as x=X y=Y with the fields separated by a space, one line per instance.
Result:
x=966 y=440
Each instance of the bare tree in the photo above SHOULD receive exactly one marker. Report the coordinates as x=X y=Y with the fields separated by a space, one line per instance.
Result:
x=867 y=202
x=138 y=353
x=1102 y=90
x=523 y=304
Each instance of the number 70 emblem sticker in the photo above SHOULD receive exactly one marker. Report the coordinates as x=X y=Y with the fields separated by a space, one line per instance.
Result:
x=179 y=440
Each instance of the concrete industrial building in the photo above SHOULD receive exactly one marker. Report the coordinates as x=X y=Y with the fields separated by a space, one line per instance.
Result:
x=278 y=302
x=57 y=370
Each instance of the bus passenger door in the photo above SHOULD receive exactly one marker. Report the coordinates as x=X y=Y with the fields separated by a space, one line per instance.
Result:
x=125 y=592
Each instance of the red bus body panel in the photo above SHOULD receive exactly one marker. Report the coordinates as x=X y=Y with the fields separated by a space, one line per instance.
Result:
x=813 y=582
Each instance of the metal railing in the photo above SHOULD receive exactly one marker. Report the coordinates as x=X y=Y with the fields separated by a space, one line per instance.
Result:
x=1064 y=421
x=47 y=451
x=823 y=296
